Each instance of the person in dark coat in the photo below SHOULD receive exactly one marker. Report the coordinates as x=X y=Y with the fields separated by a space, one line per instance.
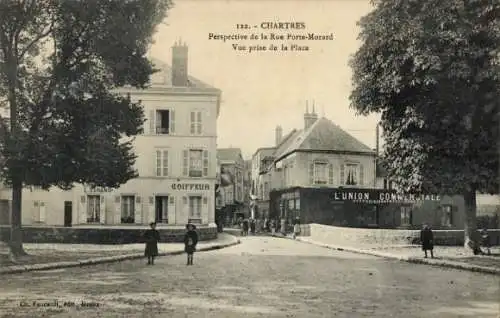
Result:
x=190 y=241
x=427 y=239
x=252 y=226
x=151 y=236
x=245 y=227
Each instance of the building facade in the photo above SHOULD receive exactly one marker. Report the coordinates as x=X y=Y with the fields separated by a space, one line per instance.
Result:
x=176 y=161
x=321 y=174
x=233 y=194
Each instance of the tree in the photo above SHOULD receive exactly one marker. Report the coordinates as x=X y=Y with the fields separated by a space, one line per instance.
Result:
x=431 y=68
x=59 y=64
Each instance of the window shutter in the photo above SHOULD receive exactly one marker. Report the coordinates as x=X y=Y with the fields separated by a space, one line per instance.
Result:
x=172 y=121
x=342 y=174
x=185 y=162
x=205 y=163
x=165 y=163
x=82 y=210
x=102 y=210
x=199 y=123
x=311 y=173
x=42 y=212
x=330 y=173
x=152 y=122
x=193 y=123
x=118 y=209
x=138 y=210
x=361 y=174
x=158 y=163
x=171 y=209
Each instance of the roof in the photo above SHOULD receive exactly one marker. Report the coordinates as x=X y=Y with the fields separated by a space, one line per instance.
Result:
x=229 y=154
x=265 y=151
x=323 y=135
x=163 y=78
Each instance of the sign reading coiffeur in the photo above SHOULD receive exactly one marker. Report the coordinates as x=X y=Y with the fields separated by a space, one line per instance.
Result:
x=190 y=186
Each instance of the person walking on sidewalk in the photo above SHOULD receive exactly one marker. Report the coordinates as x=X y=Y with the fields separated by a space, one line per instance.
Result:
x=485 y=241
x=427 y=239
x=151 y=236
x=190 y=241
x=296 y=228
x=245 y=227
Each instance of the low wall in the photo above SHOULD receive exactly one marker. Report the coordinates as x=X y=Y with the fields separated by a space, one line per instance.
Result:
x=356 y=236
x=110 y=235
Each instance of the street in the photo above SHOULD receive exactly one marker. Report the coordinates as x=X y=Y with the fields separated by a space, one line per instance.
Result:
x=261 y=277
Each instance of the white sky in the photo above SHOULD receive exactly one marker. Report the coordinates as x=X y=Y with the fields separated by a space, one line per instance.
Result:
x=263 y=89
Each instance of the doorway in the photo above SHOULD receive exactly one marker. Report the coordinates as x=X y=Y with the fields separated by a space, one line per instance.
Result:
x=68 y=213
x=161 y=209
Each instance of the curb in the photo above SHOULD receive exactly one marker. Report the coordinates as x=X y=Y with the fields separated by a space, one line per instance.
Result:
x=16 y=269
x=413 y=260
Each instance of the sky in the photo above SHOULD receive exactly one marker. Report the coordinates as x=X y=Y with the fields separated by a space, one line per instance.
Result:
x=263 y=89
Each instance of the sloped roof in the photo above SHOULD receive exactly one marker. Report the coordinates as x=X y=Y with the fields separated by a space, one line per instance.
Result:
x=322 y=135
x=229 y=154
x=286 y=141
x=163 y=78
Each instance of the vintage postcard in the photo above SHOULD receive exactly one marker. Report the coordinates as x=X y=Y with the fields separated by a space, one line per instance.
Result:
x=249 y=158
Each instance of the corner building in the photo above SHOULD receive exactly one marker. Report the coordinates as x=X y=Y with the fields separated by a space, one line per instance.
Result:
x=176 y=161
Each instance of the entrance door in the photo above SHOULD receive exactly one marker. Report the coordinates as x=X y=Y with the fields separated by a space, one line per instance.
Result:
x=161 y=209
x=68 y=213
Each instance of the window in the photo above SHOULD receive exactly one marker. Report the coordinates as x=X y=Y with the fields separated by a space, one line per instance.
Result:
x=164 y=121
x=196 y=123
x=161 y=163
x=195 y=207
x=351 y=174
x=128 y=209
x=161 y=209
x=320 y=173
x=447 y=216
x=385 y=184
x=266 y=190
x=406 y=215
x=93 y=208
x=195 y=163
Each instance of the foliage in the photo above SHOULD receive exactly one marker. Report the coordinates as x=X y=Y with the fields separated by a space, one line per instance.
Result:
x=60 y=63
x=431 y=68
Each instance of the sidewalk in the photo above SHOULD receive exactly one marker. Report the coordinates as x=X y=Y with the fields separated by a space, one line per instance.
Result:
x=52 y=256
x=445 y=256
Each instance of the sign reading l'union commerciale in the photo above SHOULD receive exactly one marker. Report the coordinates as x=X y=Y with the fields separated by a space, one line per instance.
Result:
x=191 y=186
x=380 y=196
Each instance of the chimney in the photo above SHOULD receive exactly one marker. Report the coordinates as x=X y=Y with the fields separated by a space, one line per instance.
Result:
x=180 y=64
x=278 y=135
x=309 y=118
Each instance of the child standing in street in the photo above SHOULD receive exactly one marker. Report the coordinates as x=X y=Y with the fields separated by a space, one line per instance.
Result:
x=190 y=241
x=152 y=236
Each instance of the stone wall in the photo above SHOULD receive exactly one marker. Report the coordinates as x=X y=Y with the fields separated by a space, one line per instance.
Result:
x=356 y=236
x=109 y=235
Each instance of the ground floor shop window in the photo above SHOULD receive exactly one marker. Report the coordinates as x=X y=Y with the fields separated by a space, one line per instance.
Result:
x=406 y=215
x=127 y=208
x=161 y=209
x=195 y=206
x=93 y=208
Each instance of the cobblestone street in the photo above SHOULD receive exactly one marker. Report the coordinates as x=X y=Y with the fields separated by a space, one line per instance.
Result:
x=261 y=277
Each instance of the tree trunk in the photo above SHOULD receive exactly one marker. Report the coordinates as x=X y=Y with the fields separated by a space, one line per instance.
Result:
x=16 y=235
x=471 y=239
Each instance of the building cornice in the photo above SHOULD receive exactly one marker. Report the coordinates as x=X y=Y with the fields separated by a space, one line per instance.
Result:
x=338 y=152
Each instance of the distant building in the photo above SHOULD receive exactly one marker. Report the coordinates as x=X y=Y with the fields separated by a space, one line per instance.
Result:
x=176 y=161
x=233 y=194
x=322 y=174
